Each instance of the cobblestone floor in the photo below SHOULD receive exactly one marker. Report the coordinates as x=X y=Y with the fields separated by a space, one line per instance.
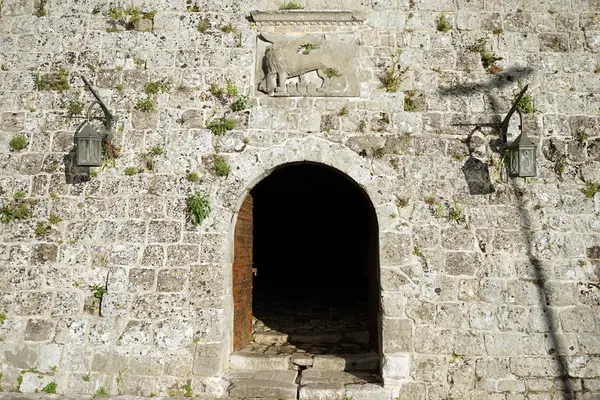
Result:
x=282 y=327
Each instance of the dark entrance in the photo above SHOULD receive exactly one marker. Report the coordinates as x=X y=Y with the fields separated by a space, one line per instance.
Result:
x=315 y=255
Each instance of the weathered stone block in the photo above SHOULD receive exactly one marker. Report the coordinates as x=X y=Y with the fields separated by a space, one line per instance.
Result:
x=172 y=280
x=397 y=335
x=207 y=359
x=141 y=279
x=39 y=330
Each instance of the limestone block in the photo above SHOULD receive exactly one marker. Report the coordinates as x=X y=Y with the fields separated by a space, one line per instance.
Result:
x=136 y=333
x=32 y=303
x=397 y=335
x=322 y=391
x=249 y=361
x=428 y=368
x=76 y=358
x=396 y=366
x=482 y=316
x=431 y=339
x=207 y=359
x=172 y=280
x=141 y=279
x=153 y=305
x=143 y=361
x=534 y=367
x=577 y=319
x=173 y=333
x=23 y=356
x=164 y=231
x=328 y=363
x=452 y=315
x=437 y=287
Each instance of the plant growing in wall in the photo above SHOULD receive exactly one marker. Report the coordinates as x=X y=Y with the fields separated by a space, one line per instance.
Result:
x=526 y=104
x=110 y=153
x=306 y=48
x=488 y=58
x=17 y=143
x=443 y=25
x=58 y=81
x=203 y=25
x=75 y=107
x=198 y=208
x=16 y=209
x=221 y=166
x=40 y=9
x=50 y=388
x=291 y=5
x=154 y=152
x=228 y=28
x=332 y=73
x=590 y=190
x=129 y=18
x=98 y=292
x=241 y=103
x=393 y=74
x=194 y=8
x=220 y=126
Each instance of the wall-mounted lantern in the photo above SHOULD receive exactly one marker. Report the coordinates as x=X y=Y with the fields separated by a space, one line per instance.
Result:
x=523 y=155
x=90 y=143
x=523 y=150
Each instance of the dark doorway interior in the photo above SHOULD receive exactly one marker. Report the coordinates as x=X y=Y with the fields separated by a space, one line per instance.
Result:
x=315 y=255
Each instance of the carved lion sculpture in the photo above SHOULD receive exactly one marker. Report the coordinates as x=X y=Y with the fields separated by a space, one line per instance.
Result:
x=285 y=60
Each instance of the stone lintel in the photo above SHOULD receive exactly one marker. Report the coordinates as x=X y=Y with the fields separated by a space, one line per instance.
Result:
x=298 y=17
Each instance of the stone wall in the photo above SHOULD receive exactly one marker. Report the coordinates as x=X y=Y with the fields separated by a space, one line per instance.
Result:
x=489 y=284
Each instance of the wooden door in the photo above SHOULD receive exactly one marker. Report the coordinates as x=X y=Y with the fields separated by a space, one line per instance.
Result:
x=242 y=276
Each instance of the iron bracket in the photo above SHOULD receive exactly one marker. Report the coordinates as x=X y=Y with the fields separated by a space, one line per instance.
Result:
x=108 y=117
x=503 y=126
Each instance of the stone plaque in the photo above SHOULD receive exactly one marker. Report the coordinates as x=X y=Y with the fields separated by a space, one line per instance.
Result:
x=320 y=65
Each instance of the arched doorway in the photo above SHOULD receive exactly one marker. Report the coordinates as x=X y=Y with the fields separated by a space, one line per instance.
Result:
x=306 y=263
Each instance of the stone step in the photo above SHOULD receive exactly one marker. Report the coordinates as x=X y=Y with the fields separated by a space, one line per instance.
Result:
x=270 y=337
x=348 y=362
x=250 y=361
x=339 y=385
x=265 y=384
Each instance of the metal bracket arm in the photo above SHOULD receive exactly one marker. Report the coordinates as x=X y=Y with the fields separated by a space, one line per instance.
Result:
x=503 y=126
x=107 y=115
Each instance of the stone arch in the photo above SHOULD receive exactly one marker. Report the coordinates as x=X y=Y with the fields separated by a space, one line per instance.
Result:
x=252 y=166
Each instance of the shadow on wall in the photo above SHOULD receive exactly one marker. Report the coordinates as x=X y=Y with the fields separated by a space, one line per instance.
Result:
x=477 y=176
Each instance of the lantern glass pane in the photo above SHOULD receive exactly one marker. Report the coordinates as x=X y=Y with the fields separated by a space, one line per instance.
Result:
x=96 y=151
x=527 y=162
x=83 y=146
x=514 y=161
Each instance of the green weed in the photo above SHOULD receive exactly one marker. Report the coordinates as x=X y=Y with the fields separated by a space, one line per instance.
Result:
x=393 y=74
x=443 y=25
x=221 y=166
x=17 y=143
x=147 y=104
x=129 y=171
x=50 y=388
x=220 y=126
x=291 y=5
x=590 y=190
x=193 y=177
x=157 y=87
x=75 y=107
x=58 y=81
x=198 y=207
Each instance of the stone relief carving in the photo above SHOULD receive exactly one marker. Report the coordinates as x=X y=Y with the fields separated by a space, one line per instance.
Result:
x=307 y=65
